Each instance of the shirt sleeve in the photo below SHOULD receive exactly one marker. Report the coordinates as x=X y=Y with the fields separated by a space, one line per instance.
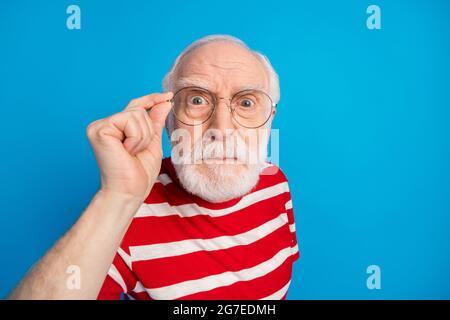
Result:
x=119 y=280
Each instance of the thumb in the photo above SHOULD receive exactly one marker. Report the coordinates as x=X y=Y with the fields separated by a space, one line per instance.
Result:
x=158 y=115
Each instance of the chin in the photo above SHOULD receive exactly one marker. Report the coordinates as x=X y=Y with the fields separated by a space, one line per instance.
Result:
x=218 y=182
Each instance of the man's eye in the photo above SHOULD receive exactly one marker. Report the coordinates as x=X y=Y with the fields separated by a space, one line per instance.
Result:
x=246 y=103
x=197 y=100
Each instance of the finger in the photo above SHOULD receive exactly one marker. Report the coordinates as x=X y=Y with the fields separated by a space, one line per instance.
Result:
x=146 y=134
x=130 y=127
x=103 y=128
x=140 y=112
x=149 y=124
x=149 y=100
x=158 y=115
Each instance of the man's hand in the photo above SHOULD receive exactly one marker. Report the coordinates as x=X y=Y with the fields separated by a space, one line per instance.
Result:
x=129 y=152
x=128 y=145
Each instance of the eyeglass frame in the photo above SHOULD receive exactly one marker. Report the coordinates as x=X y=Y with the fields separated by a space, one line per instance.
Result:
x=216 y=102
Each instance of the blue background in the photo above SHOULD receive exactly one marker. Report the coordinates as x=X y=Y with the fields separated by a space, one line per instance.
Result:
x=363 y=118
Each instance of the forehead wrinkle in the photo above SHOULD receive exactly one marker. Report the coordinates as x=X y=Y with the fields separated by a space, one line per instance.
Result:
x=222 y=66
x=196 y=82
x=228 y=65
x=211 y=75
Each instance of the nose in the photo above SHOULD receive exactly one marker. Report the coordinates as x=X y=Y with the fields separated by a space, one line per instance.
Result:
x=222 y=119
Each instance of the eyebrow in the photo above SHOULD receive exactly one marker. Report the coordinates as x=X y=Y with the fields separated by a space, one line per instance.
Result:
x=251 y=87
x=193 y=82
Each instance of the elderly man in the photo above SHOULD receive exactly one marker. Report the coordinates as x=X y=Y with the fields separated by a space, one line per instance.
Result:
x=214 y=221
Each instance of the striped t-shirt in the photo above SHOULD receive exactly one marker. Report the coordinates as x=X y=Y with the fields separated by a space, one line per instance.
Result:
x=179 y=246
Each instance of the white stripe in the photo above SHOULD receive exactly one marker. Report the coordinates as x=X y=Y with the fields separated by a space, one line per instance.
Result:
x=192 y=209
x=295 y=249
x=288 y=205
x=125 y=257
x=139 y=287
x=171 y=249
x=164 y=179
x=279 y=294
x=189 y=287
x=114 y=273
x=292 y=227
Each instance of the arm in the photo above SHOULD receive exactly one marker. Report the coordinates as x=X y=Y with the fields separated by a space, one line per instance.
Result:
x=128 y=150
x=90 y=245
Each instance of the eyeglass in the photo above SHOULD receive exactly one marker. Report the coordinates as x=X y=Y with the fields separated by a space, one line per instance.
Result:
x=195 y=105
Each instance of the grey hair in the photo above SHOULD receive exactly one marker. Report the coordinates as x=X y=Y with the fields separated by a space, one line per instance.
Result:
x=274 y=83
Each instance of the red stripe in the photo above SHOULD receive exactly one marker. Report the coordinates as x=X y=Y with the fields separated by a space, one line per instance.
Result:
x=171 y=270
x=254 y=289
x=196 y=265
x=110 y=290
x=176 y=228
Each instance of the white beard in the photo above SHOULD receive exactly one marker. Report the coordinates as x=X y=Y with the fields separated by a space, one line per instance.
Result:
x=217 y=180
x=220 y=182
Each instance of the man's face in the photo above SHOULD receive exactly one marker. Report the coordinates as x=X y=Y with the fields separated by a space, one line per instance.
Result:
x=224 y=69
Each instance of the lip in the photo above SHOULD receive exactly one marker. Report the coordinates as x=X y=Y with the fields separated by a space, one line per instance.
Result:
x=223 y=160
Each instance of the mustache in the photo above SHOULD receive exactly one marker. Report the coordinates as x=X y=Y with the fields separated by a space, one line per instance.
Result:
x=215 y=149
x=221 y=150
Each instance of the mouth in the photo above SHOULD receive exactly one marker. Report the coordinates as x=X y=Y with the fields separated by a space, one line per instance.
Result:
x=222 y=160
